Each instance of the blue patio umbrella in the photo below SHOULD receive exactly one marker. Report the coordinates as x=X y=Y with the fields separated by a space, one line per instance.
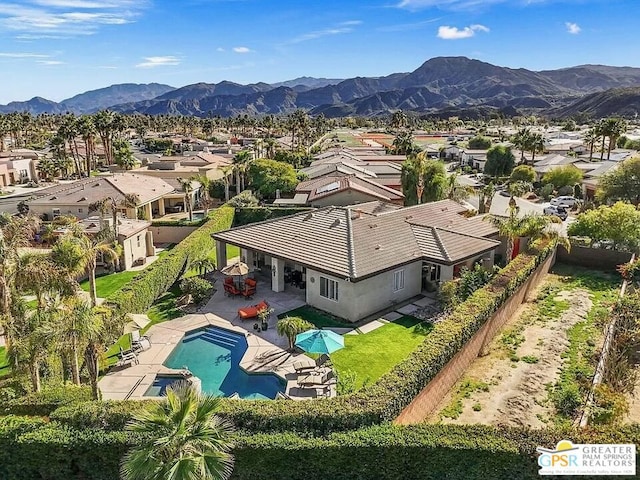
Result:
x=319 y=341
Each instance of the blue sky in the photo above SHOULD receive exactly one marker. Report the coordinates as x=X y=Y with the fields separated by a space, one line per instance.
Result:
x=58 y=48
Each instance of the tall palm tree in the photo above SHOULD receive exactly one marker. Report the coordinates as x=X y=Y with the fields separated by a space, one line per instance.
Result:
x=79 y=254
x=226 y=171
x=590 y=138
x=185 y=439
x=106 y=327
x=521 y=141
x=203 y=265
x=187 y=188
x=240 y=162
x=455 y=190
x=15 y=233
x=615 y=128
x=109 y=204
x=37 y=273
x=205 y=185
x=535 y=143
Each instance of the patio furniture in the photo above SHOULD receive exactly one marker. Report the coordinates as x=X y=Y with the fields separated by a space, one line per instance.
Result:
x=126 y=356
x=316 y=379
x=230 y=287
x=319 y=341
x=235 y=395
x=252 y=311
x=250 y=287
x=301 y=367
x=139 y=343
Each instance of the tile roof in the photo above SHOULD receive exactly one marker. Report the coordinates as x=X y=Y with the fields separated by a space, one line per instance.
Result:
x=359 y=241
x=116 y=186
x=331 y=184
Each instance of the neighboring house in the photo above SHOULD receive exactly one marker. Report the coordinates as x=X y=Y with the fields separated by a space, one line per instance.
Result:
x=474 y=158
x=592 y=177
x=18 y=166
x=74 y=198
x=547 y=163
x=341 y=190
x=383 y=173
x=133 y=235
x=357 y=261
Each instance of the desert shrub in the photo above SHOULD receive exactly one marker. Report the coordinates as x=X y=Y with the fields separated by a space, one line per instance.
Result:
x=567 y=399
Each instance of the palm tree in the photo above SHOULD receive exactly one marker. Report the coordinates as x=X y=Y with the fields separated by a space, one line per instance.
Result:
x=423 y=180
x=225 y=178
x=535 y=143
x=590 y=138
x=455 y=190
x=106 y=327
x=185 y=439
x=187 y=188
x=15 y=233
x=615 y=128
x=521 y=141
x=240 y=162
x=203 y=265
x=109 y=204
x=290 y=327
x=76 y=324
x=80 y=253
x=205 y=183
x=37 y=273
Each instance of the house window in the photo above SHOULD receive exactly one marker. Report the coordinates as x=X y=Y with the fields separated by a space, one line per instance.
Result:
x=435 y=273
x=398 y=280
x=79 y=210
x=55 y=212
x=138 y=239
x=329 y=289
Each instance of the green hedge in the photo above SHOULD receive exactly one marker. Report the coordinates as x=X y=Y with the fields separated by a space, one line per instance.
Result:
x=152 y=282
x=31 y=448
x=47 y=400
x=385 y=399
x=247 y=215
x=179 y=223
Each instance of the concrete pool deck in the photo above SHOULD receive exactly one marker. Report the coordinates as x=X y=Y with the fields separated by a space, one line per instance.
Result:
x=262 y=356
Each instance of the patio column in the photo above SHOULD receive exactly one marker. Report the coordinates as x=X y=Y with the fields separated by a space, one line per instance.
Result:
x=277 y=274
x=148 y=214
x=161 y=210
x=221 y=254
x=248 y=257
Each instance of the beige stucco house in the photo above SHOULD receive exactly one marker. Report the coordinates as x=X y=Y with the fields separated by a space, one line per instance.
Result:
x=75 y=198
x=356 y=261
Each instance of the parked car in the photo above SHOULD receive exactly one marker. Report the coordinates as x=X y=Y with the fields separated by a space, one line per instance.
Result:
x=558 y=211
x=564 y=200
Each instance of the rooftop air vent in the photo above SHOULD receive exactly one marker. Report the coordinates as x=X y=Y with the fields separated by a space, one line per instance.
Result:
x=53 y=198
x=308 y=216
x=83 y=199
x=335 y=223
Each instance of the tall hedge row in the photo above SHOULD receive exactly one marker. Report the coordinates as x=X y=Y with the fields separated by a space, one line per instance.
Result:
x=247 y=215
x=31 y=448
x=152 y=282
x=381 y=401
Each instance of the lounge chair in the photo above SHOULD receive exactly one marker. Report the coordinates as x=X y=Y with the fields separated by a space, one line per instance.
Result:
x=235 y=395
x=301 y=367
x=127 y=356
x=247 y=313
x=315 y=381
x=283 y=396
x=139 y=343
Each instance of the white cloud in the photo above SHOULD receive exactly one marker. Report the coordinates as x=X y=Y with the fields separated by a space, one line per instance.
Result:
x=454 y=33
x=451 y=4
x=22 y=55
x=151 y=62
x=219 y=49
x=573 y=28
x=35 y=19
x=340 y=28
x=50 y=62
x=241 y=49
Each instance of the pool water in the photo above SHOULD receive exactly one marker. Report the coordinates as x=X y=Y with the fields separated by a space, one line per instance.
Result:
x=213 y=355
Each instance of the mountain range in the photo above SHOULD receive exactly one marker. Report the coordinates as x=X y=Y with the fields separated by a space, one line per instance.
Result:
x=443 y=85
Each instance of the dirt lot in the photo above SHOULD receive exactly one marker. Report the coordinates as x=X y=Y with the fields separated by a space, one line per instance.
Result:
x=511 y=385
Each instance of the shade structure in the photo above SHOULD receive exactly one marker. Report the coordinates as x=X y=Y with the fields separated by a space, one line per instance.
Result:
x=319 y=341
x=236 y=269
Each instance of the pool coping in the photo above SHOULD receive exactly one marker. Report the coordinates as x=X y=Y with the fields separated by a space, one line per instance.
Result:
x=261 y=356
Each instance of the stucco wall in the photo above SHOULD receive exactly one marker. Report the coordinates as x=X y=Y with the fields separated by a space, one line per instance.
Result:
x=348 y=197
x=132 y=251
x=170 y=234
x=357 y=300
x=79 y=211
x=429 y=398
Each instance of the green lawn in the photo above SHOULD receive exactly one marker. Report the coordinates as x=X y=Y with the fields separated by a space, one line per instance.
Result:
x=108 y=283
x=316 y=317
x=111 y=357
x=373 y=354
x=164 y=308
x=232 y=251
x=4 y=363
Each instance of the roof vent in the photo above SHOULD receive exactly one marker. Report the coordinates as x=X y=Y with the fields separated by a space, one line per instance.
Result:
x=83 y=199
x=335 y=223
x=378 y=247
x=53 y=198
x=373 y=225
x=308 y=216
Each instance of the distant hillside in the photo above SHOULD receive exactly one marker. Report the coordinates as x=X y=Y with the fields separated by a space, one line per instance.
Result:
x=441 y=84
x=90 y=101
x=618 y=101
x=95 y=100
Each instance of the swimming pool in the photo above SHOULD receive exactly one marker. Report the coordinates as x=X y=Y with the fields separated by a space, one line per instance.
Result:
x=213 y=355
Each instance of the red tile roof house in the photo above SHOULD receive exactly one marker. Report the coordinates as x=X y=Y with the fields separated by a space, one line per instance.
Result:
x=359 y=260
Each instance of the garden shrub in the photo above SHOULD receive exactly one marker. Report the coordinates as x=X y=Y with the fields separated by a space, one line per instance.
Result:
x=152 y=282
x=567 y=399
x=107 y=415
x=197 y=287
x=47 y=400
